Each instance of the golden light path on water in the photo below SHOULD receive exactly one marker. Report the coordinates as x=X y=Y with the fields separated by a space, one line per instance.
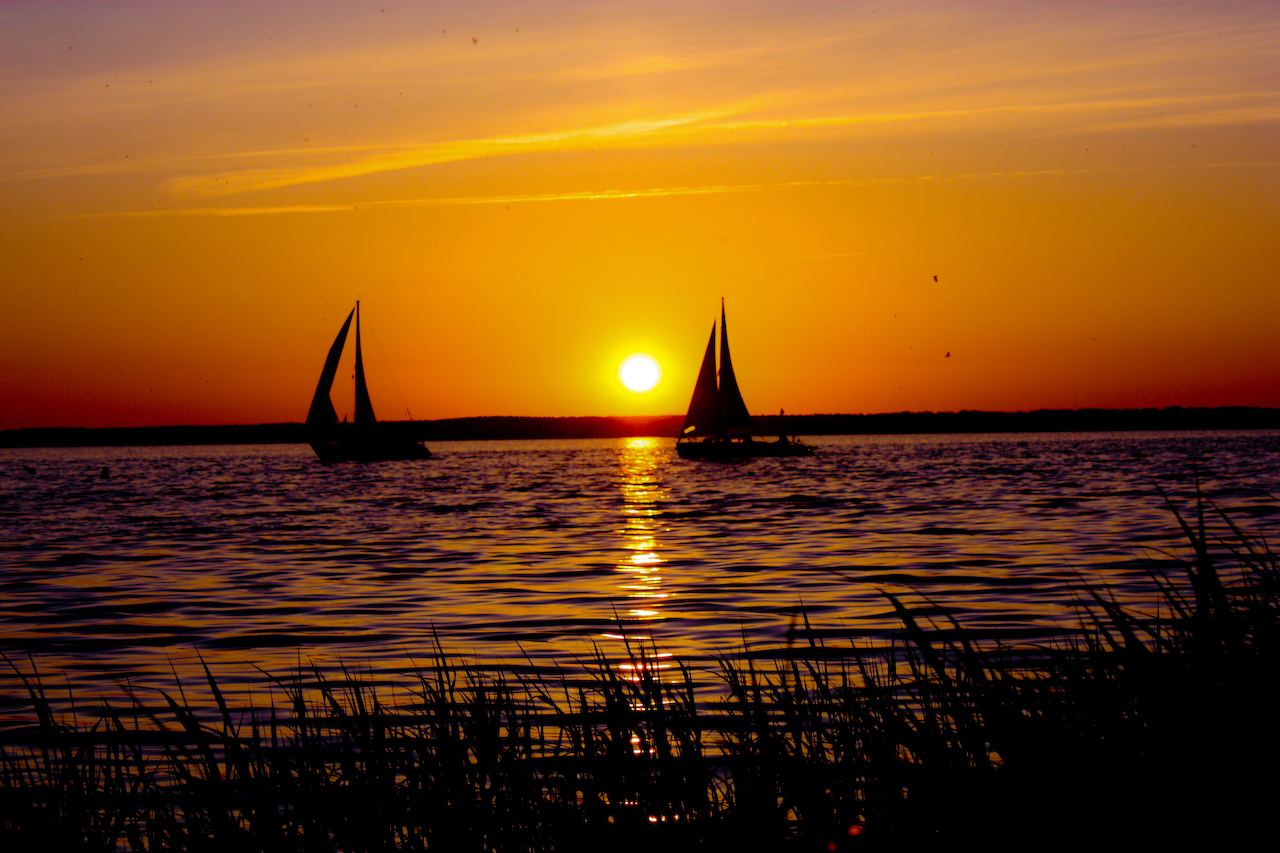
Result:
x=641 y=582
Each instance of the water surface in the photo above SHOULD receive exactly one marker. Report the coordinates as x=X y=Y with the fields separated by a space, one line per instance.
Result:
x=538 y=552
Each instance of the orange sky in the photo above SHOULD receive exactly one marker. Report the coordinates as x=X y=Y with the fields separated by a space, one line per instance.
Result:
x=193 y=196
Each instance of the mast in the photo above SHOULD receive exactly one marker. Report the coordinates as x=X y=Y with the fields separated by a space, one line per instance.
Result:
x=322 y=411
x=734 y=417
x=364 y=406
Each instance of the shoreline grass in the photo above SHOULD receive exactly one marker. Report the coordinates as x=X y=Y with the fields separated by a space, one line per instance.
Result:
x=1139 y=728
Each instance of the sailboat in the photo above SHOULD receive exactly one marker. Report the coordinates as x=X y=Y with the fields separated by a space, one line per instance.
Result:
x=718 y=425
x=365 y=440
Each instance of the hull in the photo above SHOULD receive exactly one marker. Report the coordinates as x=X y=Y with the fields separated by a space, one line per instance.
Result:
x=723 y=450
x=368 y=448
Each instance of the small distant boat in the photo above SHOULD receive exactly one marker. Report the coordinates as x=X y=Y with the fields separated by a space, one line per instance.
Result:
x=365 y=440
x=718 y=426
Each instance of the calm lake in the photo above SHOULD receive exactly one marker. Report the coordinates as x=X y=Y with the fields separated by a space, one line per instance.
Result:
x=536 y=553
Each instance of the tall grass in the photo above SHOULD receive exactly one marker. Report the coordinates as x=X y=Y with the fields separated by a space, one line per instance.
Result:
x=1138 y=727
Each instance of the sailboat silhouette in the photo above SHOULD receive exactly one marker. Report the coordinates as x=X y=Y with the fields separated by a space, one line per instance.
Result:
x=365 y=440
x=718 y=425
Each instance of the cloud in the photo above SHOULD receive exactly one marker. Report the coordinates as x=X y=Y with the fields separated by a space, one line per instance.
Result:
x=143 y=164
x=699 y=128
x=586 y=195
x=1253 y=114
x=718 y=126
x=252 y=180
x=596 y=195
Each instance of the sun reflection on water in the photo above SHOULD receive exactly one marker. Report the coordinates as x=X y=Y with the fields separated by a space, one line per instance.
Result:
x=642 y=462
x=643 y=493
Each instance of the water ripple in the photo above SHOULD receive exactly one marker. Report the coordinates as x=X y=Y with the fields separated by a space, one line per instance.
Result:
x=540 y=552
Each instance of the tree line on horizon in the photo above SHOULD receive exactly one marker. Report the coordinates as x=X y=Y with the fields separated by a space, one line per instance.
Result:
x=517 y=427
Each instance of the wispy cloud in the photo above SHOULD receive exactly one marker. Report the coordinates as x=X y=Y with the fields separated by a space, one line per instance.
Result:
x=190 y=162
x=712 y=127
x=586 y=195
x=608 y=195
x=1251 y=114
x=616 y=135
x=318 y=164
x=1191 y=110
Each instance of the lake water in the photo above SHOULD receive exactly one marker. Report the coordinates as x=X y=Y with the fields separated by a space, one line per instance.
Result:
x=538 y=552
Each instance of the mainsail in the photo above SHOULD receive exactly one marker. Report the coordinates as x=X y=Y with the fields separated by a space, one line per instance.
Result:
x=704 y=408
x=717 y=408
x=364 y=406
x=734 y=417
x=322 y=411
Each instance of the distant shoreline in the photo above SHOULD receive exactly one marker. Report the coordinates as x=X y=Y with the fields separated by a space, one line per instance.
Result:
x=517 y=428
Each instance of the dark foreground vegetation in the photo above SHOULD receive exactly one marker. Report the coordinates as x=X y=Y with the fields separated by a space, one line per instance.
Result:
x=1147 y=729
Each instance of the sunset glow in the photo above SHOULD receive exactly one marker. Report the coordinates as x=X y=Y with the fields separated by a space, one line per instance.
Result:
x=1078 y=202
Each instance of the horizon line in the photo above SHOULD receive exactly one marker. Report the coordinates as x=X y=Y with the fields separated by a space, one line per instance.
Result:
x=925 y=412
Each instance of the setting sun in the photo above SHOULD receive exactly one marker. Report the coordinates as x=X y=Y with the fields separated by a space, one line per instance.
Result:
x=639 y=372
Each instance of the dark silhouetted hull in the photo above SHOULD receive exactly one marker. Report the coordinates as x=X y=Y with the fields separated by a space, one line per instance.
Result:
x=724 y=450
x=369 y=449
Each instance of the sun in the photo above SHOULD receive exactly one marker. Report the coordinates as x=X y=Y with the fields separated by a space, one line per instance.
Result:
x=640 y=372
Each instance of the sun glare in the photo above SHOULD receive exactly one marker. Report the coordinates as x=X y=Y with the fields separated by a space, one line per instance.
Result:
x=639 y=372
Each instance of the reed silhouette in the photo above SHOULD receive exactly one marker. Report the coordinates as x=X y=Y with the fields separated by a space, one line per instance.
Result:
x=1133 y=728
